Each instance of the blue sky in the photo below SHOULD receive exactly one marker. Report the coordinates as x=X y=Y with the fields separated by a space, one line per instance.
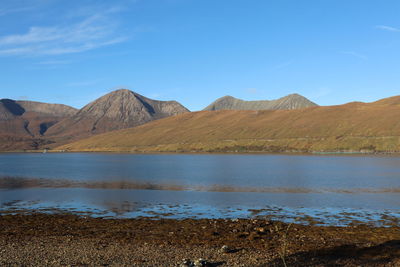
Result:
x=194 y=51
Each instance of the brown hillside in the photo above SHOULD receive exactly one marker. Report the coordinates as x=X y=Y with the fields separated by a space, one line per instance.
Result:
x=355 y=126
x=23 y=123
x=119 y=109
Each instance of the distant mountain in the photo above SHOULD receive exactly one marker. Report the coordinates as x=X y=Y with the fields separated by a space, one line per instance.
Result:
x=117 y=110
x=354 y=126
x=54 y=110
x=23 y=123
x=293 y=101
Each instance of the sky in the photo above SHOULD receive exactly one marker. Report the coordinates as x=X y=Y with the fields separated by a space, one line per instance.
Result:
x=195 y=51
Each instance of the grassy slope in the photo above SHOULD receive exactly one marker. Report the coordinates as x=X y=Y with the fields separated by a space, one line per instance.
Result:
x=350 y=127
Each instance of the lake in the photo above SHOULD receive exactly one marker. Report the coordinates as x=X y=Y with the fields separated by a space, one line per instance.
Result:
x=329 y=189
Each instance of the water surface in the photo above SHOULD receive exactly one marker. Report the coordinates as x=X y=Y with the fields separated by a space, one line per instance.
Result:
x=333 y=189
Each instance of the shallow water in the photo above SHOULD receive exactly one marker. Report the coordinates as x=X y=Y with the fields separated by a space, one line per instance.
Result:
x=330 y=189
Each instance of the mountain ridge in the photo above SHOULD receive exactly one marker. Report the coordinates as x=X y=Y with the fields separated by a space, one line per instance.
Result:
x=33 y=125
x=291 y=101
x=23 y=123
x=349 y=127
x=116 y=110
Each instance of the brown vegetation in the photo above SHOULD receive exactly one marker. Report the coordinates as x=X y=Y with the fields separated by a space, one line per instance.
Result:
x=23 y=123
x=360 y=127
x=27 y=125
x=119 y=109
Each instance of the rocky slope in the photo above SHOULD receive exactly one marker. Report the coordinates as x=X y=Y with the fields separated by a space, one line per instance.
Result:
x=354 y=126
x=35 y=125
x=23 y=123
x=293 y=101
x=117 y=110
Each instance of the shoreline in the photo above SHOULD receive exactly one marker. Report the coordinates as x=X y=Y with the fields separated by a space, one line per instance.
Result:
x=65 y=240
x=305 y=153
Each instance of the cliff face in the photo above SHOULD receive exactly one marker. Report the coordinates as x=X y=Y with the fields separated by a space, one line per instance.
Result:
x=293 y=101
x=116 y=110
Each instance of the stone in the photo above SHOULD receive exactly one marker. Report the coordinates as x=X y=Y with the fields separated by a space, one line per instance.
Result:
x=200 y=263
x=186 y=263
x=225 y=249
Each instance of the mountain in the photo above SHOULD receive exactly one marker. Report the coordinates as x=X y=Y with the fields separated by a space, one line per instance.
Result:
x=117 y=110
x=293 y=101
x=54 y=110
x=350 y=127
x=23 y=123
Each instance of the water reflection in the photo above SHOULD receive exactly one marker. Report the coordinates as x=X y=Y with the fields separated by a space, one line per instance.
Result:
x=234 y=170
x=126 y=185
x=324 y=208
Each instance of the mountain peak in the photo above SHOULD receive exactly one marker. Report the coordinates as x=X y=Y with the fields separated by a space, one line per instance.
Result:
x=292 y=101
x=294 y=95
x=119 y=109
x=120 y=92
x=227 y=97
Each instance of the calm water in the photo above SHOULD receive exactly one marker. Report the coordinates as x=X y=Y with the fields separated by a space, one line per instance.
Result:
x=332 y=189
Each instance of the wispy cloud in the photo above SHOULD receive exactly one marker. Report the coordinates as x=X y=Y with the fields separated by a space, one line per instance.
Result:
x=354 y=54
x=387 y=28
x=91 y=32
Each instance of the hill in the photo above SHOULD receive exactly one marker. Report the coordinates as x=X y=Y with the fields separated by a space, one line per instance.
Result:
x=293 y=101
x=117 y=110
x=350 y=127
x=23 y=123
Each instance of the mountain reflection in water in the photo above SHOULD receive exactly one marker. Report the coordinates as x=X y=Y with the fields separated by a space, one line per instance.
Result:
x=328 y=188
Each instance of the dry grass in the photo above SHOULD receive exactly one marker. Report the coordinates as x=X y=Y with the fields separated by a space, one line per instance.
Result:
x=355 y=126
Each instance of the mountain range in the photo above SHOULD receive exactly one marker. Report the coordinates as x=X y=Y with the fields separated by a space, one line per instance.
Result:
x=117 y=110
x=352 y=127
x=126 y=121
x=292 y=101
x=28 y=125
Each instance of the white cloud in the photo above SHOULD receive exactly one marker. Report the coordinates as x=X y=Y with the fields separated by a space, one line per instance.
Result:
x=92 y=32
x=387 y=28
